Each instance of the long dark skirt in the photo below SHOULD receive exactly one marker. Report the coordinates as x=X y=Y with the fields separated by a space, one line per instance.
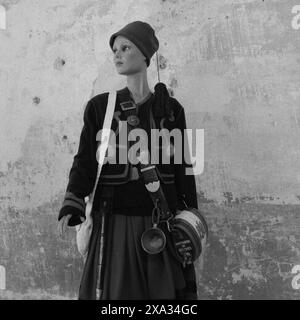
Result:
x=128 y=272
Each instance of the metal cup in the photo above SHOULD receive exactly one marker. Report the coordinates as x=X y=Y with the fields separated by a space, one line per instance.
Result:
x=153 y=240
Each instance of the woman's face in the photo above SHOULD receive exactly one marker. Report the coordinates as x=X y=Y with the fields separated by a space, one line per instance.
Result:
x=128 y=58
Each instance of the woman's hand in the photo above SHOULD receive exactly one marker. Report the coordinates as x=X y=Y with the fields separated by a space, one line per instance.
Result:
x=63 y=223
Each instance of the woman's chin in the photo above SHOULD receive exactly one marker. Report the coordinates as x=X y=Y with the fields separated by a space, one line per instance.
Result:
x=121 y=70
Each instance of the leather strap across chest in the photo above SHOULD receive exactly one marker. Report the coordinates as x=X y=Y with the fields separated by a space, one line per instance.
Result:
x=146 y=169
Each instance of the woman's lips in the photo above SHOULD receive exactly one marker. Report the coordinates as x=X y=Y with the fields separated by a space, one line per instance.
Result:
x=119 y=63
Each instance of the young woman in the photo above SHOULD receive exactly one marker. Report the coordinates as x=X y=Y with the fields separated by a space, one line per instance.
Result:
x=128 y=271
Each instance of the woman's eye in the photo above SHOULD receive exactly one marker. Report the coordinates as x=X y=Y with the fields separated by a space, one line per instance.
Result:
x=124 y=48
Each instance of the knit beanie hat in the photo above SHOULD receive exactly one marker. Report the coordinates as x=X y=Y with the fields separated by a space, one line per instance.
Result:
x=142 y=35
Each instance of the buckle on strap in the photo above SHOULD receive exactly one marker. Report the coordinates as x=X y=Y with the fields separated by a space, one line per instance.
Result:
x=167 y=219
x=130 y=110
x=127 y=105
x=160 y=216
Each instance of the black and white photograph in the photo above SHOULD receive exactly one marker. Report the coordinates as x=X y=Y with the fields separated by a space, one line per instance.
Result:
x=150 y=151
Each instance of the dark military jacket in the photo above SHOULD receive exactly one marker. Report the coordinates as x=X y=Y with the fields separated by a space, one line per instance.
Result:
x=174 y=181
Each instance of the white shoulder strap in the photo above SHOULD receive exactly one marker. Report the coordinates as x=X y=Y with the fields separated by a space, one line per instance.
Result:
x=105 y=132
x=103 y=145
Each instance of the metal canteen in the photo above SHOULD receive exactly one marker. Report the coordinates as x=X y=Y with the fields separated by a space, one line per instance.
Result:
x=192 y=225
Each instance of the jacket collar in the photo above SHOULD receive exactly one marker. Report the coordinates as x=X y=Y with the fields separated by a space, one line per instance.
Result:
x=125 y=95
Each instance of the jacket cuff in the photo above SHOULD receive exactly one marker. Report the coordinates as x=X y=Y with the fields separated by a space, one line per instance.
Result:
x=74 y=206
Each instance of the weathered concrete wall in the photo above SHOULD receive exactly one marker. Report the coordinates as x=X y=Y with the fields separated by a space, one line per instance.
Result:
x=234 y=65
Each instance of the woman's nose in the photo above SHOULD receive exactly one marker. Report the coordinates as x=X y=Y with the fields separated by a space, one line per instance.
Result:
x=117 y=53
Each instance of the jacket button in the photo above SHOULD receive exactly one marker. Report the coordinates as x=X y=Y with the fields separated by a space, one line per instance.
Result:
x=133 y=120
